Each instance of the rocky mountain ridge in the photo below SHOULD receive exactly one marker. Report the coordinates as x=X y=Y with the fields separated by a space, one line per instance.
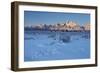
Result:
x=67 y=26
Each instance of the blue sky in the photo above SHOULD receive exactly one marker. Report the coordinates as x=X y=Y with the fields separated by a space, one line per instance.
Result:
x=37 y=17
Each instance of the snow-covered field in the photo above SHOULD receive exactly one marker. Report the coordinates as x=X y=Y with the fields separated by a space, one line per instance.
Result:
x=46 y=45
